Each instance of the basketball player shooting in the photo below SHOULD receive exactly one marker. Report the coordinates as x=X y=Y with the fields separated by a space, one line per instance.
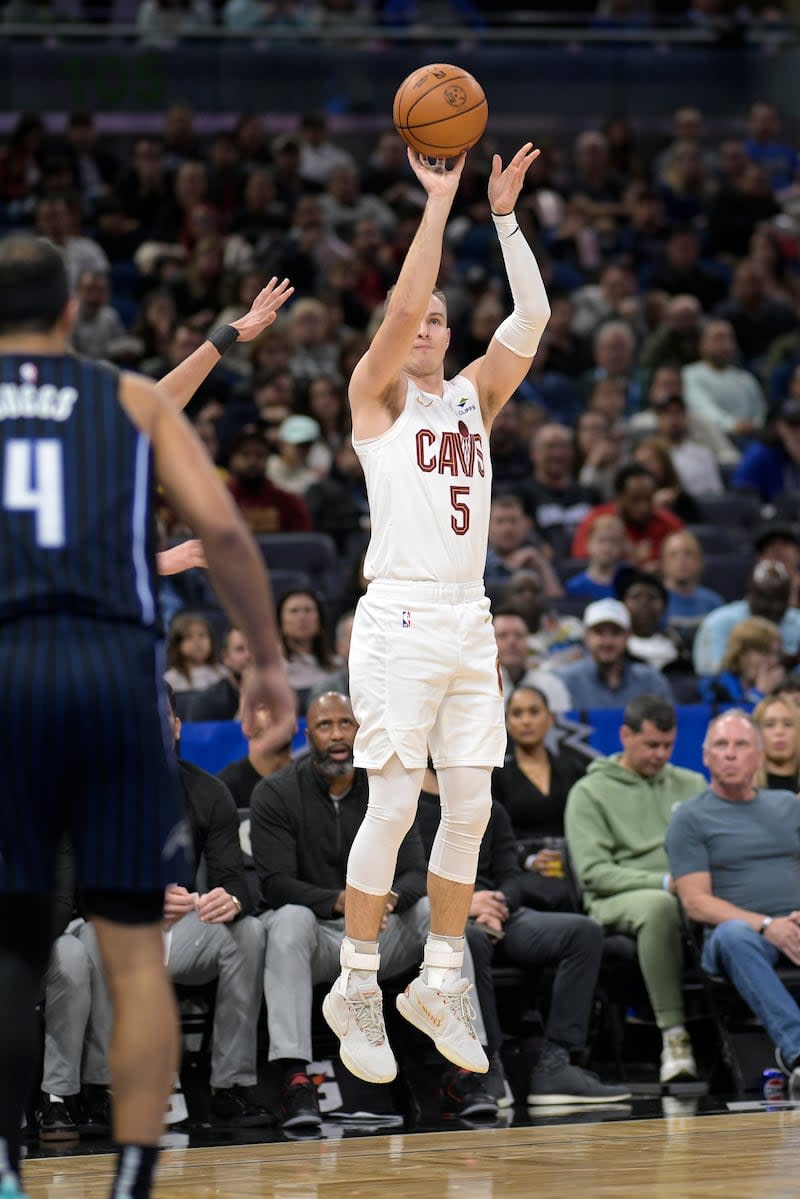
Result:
x=423 y=662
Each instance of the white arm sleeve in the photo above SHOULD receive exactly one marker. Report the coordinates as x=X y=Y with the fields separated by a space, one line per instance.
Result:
x=522 y=331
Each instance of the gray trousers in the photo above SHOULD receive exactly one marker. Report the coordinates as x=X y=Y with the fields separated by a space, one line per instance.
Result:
x=74 y=989
x=233 y=954
x=303 y=950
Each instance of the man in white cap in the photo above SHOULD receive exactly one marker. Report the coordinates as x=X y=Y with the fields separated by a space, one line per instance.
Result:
x=290 y=468
x=605 y=677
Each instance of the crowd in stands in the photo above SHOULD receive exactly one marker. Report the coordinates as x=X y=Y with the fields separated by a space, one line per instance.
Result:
x=644 y=547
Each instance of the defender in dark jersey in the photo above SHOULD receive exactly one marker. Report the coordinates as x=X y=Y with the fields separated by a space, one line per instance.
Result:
x=83 y=731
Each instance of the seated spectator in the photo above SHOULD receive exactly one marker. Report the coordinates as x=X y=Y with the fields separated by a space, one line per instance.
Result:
x=312 y=354
x=606 y=677
x=697 y=445
x=301 y=625
x=751 y=667
x=338 y=502
x=595 y=303
x=608 y=549
x=511 y=463
x=685 y=190
x=645 y=597
x=763 y=145
x=501 y=930
x=742 y=203
x=58 y=219
x=600 y=442
x=768 y=594
x=303 y=821
x=290 y=467
x=191 y=657
x=554 y=499
x=779 y=722
x=532 y=786
x=775 y=542
x=682 y=273
x=220 y=701
x=616 y=820
x=160 y=22
x=97 y=325
x=265 y=507
x=734 y=853
x=677 y=338
x=553 y=639
x=654 y=454
x=511 y=545
x=681 y=570
x=757 y=319
x=265 y=756
x=210 y=935
x=614 y=350
x=646 y=525
x=771 y=464
x=513 y=659
x=720 y=391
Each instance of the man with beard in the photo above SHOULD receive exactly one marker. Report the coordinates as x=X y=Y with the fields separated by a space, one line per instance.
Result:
x=302 y=823
x=264 y=507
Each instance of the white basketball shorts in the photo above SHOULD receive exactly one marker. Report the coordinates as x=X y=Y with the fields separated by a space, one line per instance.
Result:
x=424 y=673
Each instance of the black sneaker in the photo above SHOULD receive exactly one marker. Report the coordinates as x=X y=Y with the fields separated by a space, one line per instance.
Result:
x=95 y=1117
x=231 y=1107
x=554 y=1083
x=464 y=1094
x=55 y=1121
x=496 y=1084
x=299 y=1103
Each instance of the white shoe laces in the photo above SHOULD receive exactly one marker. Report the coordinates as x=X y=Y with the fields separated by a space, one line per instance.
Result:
x=462 y=1009
x=368 y=1012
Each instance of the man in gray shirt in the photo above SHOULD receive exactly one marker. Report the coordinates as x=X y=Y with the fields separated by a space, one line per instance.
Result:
x=734 y=852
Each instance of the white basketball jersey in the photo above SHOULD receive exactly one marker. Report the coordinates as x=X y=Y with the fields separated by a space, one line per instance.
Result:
x=429 y=481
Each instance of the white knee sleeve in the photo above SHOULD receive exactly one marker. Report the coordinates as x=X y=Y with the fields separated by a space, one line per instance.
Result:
x=465 y=794
x=393 y=798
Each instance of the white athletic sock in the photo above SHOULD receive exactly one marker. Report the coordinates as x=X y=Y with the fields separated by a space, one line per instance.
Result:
x=665 y=1032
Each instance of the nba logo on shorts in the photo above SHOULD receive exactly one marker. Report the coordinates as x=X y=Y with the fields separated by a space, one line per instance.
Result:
x=406 y=619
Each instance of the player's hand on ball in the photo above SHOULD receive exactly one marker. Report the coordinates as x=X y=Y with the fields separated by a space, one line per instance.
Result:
x=268 y=687
x=505 y=185
x=264 y=309
x=436 y=181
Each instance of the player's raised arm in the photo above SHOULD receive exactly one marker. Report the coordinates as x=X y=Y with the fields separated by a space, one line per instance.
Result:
x=373 y=386
x=182 y=382
x=235 y=563
x=507 y=360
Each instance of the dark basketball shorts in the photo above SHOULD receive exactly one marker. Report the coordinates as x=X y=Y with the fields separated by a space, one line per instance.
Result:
x=86 y=750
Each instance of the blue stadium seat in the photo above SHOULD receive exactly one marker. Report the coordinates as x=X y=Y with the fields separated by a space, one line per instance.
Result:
x=311 y=554
x=736 y=509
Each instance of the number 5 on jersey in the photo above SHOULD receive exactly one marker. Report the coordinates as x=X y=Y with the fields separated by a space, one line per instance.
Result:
x=459 y=521
x=33 y=481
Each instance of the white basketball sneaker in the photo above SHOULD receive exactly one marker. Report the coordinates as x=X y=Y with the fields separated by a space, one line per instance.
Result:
x=445 y=1014
x=355 y=1013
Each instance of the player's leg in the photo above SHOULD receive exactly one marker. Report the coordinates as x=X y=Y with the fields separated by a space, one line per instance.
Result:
x=467 y=739
x=25 y=935
x=354 y=1006
x=438 y=1001
x=144 y=1041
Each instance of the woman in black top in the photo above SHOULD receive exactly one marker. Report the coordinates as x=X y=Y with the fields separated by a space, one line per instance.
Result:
x=532 y=786
x=779 y=721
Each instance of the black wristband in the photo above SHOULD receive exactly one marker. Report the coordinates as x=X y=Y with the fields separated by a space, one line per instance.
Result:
x=223 y=338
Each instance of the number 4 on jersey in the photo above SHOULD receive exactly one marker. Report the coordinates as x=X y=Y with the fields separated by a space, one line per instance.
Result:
x=33 y=481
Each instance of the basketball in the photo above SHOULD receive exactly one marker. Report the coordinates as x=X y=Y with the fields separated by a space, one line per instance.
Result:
x=440 y=110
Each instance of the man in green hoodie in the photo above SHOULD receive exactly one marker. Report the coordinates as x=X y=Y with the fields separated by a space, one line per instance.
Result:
x=616 y=821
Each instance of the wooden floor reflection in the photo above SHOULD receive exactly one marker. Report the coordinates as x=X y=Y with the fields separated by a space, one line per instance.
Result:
x=743 y=1156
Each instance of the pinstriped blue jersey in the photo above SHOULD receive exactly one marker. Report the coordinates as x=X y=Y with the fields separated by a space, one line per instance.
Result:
x=77 y=527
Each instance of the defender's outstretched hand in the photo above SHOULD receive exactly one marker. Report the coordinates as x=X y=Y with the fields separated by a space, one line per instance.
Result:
x=505 y=185
x=264 y=309
x=435 y=179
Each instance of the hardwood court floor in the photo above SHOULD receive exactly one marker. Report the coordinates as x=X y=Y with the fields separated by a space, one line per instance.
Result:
x=741 y=1156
